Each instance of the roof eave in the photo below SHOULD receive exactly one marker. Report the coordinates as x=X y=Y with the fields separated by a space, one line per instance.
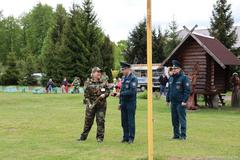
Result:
x=171 y=54
x=209 y=52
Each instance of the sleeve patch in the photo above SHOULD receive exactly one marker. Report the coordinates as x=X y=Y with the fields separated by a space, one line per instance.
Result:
x=134 y=84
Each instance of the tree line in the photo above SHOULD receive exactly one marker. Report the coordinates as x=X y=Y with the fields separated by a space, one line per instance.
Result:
x=60 y=43
x=56 y=43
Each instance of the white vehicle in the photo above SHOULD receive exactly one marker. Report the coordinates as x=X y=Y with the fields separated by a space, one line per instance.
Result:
x=140 y=70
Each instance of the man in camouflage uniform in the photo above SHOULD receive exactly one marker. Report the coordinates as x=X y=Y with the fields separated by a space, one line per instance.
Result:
x=95 y=94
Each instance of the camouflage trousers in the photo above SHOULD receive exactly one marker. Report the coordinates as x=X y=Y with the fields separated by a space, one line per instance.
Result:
x=99 y=111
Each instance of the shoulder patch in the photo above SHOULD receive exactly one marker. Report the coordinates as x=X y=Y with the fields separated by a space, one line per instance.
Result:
x=134 y=84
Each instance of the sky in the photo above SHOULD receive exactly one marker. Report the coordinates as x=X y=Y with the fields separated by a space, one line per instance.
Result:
x=119 y=17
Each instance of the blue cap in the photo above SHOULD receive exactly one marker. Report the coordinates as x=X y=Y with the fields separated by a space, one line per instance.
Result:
x=176 y=64
x=125 y=65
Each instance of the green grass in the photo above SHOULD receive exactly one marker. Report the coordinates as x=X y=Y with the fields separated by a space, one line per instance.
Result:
x=45 y=127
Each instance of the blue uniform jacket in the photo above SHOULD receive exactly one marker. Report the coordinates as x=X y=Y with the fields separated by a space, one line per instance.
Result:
x=179 y=88
x=128 y=91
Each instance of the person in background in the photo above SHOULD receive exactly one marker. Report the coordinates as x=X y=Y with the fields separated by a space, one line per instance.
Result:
x=114 y=81
x=76 y=85
x=235 y=102
x=170 y=73
x=119 y=85
x=50 y=86
x=64 y=85
x=163 y=82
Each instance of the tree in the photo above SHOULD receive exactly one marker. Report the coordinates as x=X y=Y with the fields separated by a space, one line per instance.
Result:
x=73 y=46
x=10 y=41
x=93 y=35
x=107 y=56
x=158 y=45
x=53 y=60
x=137 y=45
x=171 y=38
x=83 y=40
x=1 y=15
x=11 y=75
x=118 y=51
x=222 y=24
x=35 y=25
x=28 y=67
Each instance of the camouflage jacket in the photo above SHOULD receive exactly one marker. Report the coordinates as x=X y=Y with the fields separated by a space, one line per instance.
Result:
x=93 y=90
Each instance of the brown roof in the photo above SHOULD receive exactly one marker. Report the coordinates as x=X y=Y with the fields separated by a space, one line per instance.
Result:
x=219 y=50
x=213 y=47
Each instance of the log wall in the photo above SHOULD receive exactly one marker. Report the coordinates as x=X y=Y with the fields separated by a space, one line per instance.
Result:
x=211 y=77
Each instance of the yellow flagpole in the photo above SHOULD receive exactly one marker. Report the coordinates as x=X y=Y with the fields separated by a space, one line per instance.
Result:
x=149 y=75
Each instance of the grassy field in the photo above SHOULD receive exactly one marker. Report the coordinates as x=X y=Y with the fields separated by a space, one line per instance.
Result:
x=45 y=127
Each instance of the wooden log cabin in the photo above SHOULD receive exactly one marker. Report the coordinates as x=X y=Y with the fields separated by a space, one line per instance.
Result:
x=213 y=60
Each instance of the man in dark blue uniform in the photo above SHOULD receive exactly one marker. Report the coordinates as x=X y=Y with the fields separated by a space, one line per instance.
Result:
x=128 y=103
x=178 y=94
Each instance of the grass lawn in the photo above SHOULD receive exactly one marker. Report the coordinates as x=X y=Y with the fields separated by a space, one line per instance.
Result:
x=45 y=127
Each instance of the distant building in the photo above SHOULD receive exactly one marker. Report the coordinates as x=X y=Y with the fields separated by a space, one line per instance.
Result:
x=183 y=33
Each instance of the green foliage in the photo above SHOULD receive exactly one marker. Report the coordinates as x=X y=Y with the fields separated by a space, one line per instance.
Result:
x=35 y=26
x=84 y=43
x=143 y=95
x=107 y=57
x=171 y=38
x=137 y=45
x=93 y=35
x=11 y=75
x=73 y=45
x=53 y=58
x=10 y=37
x=119 y=49
x=62 y=44
x=28 y=67
x=236 y=51
x=122 y=45
x=2 y=69
x=222 y=24
x=158 y=46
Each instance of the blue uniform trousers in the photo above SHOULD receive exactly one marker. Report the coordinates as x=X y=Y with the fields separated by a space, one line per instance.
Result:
x=128 y=111
x=179 y=120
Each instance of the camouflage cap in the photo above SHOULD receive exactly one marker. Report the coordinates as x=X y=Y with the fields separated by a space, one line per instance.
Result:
x=96 y=69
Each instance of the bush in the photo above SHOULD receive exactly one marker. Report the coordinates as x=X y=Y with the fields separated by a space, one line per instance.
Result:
x=143 y=95
x=11 y=75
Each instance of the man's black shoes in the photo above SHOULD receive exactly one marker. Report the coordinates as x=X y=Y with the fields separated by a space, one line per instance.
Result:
x=124 y=141
x=183 y=138
x=179 y=138
x=130 y=141
x=175 y=138
x=81 y=139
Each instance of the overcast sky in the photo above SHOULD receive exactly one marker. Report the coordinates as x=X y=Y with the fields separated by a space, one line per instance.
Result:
x=118 y=17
